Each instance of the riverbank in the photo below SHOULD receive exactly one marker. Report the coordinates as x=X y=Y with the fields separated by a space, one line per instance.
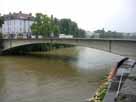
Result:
x=100 y=92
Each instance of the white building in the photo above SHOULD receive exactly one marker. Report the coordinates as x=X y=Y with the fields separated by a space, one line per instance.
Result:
x=17 y=24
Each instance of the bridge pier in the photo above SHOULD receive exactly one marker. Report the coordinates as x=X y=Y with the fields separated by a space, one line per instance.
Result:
x=110 y=45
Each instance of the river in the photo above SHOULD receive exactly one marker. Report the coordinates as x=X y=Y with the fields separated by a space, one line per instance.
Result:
x=65 y=75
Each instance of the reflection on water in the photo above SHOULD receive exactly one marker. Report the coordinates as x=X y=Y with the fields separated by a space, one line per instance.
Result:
x=91 y=58
x=53 y=79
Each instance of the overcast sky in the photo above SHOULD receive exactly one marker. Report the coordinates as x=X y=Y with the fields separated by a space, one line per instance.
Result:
x=119 y=15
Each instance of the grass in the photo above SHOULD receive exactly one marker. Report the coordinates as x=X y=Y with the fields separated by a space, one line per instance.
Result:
x=101 y=91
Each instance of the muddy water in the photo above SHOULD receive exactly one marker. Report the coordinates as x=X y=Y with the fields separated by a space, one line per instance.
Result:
x=65 y=75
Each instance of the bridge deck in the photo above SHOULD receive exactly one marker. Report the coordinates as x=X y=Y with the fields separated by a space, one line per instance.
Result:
x=124 y=47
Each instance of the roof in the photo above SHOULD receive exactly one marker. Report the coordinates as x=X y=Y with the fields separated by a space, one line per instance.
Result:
x=19 y=15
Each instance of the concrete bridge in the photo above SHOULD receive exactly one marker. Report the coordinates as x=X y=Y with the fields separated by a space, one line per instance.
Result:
x=117 y=46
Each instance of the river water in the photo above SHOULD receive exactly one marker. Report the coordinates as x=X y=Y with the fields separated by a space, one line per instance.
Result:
x=65 y=75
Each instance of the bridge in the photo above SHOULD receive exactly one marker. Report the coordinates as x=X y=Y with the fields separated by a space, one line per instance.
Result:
x=122 y=47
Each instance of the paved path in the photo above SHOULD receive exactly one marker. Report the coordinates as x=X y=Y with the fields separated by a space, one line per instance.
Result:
x=119 y=80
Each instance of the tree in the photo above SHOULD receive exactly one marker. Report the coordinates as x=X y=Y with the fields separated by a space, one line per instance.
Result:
x=67 y=26
x=1 y=21
x=109 y=34
x=54 y=26
x=100 y=32
x=41 y=25
x=56 y=30
x=81 y=33
x=44 y=25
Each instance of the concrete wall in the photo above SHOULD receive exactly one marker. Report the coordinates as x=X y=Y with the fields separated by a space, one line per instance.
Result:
x=120 y=47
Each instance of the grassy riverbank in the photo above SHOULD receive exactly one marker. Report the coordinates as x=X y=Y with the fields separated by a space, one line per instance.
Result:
x=100 y=92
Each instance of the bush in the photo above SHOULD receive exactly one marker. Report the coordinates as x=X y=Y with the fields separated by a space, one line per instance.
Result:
x=0 y=35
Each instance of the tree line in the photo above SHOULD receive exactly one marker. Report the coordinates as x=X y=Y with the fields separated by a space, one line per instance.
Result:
x=108 y=34
x=1 y=21
x=50 y=26
x=101 y=33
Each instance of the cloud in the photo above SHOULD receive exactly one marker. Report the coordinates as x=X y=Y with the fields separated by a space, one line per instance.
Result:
x=89 y=14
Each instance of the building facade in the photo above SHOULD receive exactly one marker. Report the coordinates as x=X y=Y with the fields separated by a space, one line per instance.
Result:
x=17 y=24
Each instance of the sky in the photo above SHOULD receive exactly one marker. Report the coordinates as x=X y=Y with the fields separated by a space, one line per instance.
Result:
x=115 y=15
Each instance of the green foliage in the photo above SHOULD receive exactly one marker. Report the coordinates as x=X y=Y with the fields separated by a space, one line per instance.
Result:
x=109 y=34
x=44 y=25
x=81 y=33
x=41 y=25
x=102 y=92
x=67 y=26
x=1 y=21
x=0 y=35
x=100 y=31
x=1 y=45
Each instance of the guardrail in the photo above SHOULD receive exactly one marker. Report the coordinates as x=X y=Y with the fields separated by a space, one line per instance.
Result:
x=119 y=86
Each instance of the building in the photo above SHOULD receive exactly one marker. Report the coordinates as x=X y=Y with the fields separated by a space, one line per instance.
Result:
x=17 y=24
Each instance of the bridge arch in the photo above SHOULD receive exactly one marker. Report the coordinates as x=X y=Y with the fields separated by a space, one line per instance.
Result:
x=22 y=49
x=116 y=46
